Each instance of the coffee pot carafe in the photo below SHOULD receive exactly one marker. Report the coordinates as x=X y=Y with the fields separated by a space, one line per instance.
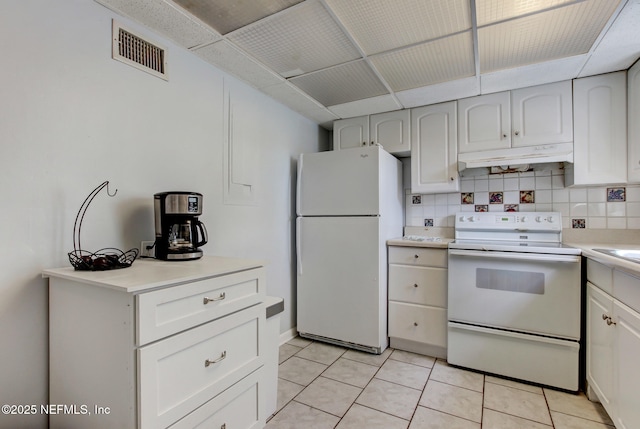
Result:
x=179 y=233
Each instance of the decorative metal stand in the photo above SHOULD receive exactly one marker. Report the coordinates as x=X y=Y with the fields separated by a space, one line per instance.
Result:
x=108 y=258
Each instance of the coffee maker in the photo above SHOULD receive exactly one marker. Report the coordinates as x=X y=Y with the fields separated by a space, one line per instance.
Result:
x=179 y=233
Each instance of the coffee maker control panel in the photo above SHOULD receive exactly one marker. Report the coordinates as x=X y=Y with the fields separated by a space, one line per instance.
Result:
x=193 y=204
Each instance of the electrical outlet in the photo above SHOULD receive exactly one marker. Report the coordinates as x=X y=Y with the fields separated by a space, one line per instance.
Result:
x=147 y=250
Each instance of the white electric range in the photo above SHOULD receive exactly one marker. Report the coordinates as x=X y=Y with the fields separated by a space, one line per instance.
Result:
x=514 y=298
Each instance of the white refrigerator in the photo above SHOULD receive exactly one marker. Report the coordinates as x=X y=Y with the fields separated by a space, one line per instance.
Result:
x=349 y=203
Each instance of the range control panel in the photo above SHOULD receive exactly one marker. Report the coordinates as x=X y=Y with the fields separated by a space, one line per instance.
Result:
x=541 y=221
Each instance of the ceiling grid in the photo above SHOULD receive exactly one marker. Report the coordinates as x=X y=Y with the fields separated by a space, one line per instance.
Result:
x=340 y=58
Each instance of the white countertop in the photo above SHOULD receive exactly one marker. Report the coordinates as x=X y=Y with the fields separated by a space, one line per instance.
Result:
x=587 y=250
x=148 y=274
x=443 y=243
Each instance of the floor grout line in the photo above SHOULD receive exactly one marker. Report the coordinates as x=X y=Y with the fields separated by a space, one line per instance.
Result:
x=380 y=365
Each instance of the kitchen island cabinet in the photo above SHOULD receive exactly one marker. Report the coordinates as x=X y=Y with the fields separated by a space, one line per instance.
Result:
x=613 y=341
x=159 y=344
x=418 y=298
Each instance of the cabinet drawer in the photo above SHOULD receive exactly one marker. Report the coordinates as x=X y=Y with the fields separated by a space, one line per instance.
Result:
x=237 y=407
x=418 y=323
x=418 y=256
x=168 y=311
x=418 y=285
x=181 y=373
x=600 y=275
x=627 y=289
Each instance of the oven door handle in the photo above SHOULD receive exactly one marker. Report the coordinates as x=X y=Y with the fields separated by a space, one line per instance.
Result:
x=534 y=257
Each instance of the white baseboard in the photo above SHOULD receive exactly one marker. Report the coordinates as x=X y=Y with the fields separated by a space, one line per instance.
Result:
x=288 y=335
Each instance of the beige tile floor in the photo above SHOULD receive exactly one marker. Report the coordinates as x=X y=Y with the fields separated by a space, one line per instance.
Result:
x=322 y=386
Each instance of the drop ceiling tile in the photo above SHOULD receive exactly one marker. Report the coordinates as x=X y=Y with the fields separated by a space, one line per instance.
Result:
x=446 y=91
x=166 y=19
x=558 y=33
x=226 y=57
x=369 y=106
x=321 y=116
x=534 y=74
x=620 y=47
x=492 y=11
x=449 y=58
x=378 y=26
x=228 y=15
x=291 y=96
x=341 y=84
x=299 y=40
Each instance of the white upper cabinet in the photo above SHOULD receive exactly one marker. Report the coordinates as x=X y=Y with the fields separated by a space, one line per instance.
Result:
x=542 y=114
x=391 y=130
x=433 y=149
x=350 y=133
x=525 y=117
x=600 y=130
x=633 y=103
x=484 y=122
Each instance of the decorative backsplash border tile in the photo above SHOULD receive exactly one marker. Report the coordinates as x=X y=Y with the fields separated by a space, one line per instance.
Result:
x=595 y=207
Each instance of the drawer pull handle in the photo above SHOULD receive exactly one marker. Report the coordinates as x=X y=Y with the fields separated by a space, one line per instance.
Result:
x=416 y=256
x=220 y=359
x=415 y=285
x=608 y=319
x=207 y=300
x=415 y=323
x=224 y=426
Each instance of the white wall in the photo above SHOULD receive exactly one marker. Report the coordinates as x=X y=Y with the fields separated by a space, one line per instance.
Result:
x=70 y=118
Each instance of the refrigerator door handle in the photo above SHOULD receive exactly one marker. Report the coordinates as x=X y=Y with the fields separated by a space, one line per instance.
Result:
x=299 y=186
x=299 y=245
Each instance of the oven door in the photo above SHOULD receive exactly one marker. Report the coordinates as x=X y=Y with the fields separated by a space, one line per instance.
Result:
x=522 y=292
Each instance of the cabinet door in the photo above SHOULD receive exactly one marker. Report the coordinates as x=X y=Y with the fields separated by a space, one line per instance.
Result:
x=600 y=338
x=633 y=103
x=484 y=122
x=350 y=133
x=627 y=375
x=542 y=115
x=392 y=131
x=600 y=129
x=433 y=149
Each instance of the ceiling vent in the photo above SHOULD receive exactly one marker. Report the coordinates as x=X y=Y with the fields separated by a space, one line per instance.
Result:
x=132 y=49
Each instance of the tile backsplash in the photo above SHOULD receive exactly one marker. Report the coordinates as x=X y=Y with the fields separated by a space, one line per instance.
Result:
x=595 y=207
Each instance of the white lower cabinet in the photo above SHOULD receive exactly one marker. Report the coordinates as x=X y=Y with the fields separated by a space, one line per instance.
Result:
x=626 y=371
x=418 y=300
x=159 y=344
x=613 y=343
x=599 y=345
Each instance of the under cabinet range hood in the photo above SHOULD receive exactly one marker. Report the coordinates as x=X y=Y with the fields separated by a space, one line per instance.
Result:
x=516 y=158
